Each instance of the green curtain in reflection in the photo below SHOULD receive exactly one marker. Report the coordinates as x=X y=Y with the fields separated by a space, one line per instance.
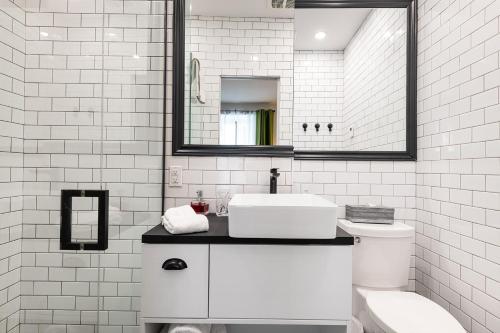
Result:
x=265 y=127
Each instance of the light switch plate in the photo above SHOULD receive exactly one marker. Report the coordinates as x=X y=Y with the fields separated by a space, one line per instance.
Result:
x=175 y=176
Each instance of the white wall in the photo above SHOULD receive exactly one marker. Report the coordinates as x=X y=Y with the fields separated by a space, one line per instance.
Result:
x=458 y=172
x=239 y=46
x=12 y=57
x=375 y=83
x=318 y=98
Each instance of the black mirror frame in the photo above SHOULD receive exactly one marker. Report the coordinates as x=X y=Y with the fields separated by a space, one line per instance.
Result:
x=179 y=148
x=411 y=85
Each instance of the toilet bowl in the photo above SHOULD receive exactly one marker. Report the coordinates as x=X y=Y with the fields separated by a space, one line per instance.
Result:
x=381 y=304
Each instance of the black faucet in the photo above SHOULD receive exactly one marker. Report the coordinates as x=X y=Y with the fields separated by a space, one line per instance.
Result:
x=274 y=181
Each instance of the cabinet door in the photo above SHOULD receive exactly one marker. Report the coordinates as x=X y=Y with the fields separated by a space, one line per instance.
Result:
x=280 y=282
x=172 y=291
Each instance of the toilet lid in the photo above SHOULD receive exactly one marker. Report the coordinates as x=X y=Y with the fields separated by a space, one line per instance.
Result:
x=405 y=312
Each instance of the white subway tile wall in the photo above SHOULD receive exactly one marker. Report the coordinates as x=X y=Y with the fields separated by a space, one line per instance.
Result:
x=451 y=195
x=375 y=83
x=12 y=60
x=318 y=99
x=237 y=46
x=458 y=172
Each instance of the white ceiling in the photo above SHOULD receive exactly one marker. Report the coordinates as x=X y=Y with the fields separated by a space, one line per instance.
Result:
x=237 y=8
x=339 y=24
x=252 y=90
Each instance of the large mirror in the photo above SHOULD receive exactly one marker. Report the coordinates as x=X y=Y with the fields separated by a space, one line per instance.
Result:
x=238 y=73
x=319 y=80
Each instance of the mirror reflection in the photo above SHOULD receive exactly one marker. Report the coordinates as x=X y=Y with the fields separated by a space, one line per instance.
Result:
x=248 y=110
x=239 y=72
x=264 y=73
x=350 y=79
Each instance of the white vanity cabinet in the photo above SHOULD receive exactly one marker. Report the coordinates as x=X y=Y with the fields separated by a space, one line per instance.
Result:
x=260 y=282
x=280 y=282
x=246 y=282
x=175 y=293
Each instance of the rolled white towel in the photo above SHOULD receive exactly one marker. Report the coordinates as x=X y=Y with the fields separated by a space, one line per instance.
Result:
x=180 y=211
x=185 y=224
x=218 y=329
x=189 y=328
x=184 y=220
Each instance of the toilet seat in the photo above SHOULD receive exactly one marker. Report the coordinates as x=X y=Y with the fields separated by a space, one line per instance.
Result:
x=406 y=312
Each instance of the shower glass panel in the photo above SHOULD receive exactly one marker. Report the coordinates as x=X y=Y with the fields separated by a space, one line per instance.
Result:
x=63 y=290
x=93 y=114
x=84 y=220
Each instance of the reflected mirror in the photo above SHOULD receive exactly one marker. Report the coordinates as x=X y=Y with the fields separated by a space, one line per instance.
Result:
x=238 y=72
x=350 y=79
x=248 y=111
x=320 y=80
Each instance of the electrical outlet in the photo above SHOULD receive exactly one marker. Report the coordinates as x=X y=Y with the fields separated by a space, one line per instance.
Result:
x=175 y=176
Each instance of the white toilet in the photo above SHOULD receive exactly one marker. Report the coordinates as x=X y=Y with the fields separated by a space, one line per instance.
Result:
x=381 y=264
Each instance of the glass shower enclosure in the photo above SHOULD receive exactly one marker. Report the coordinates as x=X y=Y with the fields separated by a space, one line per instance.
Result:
x=81 y=114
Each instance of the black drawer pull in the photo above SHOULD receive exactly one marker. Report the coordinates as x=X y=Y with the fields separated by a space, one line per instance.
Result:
x=174 y=264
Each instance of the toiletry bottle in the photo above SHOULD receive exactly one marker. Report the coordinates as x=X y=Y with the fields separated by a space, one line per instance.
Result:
x=199 y=205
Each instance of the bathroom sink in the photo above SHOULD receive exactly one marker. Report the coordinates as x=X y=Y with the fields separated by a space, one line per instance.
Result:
x=297 y=216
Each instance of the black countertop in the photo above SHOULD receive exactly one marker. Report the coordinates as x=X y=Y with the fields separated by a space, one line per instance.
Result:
x=219 y=234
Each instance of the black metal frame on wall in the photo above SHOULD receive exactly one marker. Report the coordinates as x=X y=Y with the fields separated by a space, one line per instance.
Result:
x=65 y=240
x=179 y=148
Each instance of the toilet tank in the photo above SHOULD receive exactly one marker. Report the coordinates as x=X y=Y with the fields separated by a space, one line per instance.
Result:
x=381 y=254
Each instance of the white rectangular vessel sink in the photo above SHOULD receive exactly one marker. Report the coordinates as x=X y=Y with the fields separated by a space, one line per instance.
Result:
x=296 y=216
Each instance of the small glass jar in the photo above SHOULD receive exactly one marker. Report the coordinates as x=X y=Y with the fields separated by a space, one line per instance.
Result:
x=222 y=198
x=199 y=205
